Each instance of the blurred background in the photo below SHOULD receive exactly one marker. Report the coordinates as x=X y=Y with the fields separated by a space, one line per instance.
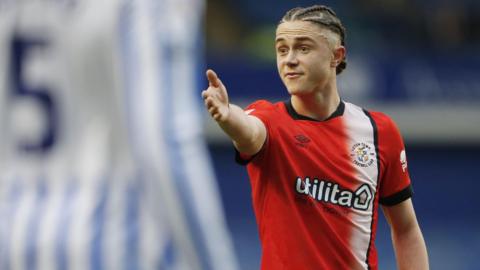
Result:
x=417 y=61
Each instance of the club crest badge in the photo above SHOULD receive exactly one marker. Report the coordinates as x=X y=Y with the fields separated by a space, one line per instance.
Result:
x=362 y=154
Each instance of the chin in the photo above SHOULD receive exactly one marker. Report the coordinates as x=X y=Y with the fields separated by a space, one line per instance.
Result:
x=293 y=89
x=296 y=91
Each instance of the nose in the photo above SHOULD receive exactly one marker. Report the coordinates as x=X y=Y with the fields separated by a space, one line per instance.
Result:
x=291 y=59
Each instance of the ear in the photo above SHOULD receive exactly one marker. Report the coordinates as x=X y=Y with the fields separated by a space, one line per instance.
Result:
x=338 y=56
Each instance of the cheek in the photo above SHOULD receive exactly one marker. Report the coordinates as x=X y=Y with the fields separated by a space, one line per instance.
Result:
x=315 y=68
x=279 y=63
x=279 y=68
x=319 y=66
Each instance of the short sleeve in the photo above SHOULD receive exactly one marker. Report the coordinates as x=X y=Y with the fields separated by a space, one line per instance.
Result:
x=263 y=110
x=395 y=183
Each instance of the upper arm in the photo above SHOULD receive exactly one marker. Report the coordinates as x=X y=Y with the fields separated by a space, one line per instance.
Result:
x=260 y=132
x=395 y=184
x=401 y=217
x=258 y=137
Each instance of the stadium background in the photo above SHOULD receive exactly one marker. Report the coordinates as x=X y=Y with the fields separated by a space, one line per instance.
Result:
x=418 y=61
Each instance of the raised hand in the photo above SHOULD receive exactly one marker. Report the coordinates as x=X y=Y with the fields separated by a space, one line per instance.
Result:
x=216 y=98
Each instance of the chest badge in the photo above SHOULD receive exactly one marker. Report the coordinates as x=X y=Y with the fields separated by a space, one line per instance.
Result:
x=301 y=140
x=362 y=154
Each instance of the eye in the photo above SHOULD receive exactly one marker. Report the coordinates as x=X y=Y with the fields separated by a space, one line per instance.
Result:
x=282 y=50
x=304 y=49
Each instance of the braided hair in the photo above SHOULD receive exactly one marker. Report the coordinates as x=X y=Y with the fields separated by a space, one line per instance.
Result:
x=323 y=16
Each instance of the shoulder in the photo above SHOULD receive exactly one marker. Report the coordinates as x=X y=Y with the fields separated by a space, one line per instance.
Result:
x=263 y=104
x=263 y=107
x=381 y=121
x=384 y=123
x=390 y=139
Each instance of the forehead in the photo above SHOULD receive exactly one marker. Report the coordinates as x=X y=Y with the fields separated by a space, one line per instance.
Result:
x=300 y=29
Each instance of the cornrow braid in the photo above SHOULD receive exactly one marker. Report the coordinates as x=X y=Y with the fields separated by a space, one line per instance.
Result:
x=323 y=16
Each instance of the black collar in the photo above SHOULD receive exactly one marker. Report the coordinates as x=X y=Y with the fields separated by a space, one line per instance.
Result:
x=338 y=112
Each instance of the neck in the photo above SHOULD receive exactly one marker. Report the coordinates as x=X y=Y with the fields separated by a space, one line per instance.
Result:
x=319 y=105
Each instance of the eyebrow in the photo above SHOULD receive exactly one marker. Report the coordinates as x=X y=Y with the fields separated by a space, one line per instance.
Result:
x=301 y=38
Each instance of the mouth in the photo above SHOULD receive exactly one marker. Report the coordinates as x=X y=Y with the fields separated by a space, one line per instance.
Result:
x=292 y=75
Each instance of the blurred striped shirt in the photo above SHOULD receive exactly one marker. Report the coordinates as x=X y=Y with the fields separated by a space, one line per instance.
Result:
x=102 y=160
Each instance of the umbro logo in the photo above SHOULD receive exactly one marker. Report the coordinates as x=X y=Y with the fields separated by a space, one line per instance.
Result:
x=301 y=140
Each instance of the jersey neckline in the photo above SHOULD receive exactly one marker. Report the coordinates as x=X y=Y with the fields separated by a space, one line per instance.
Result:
x=291 y=111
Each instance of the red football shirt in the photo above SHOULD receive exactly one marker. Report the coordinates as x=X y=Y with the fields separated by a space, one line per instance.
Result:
x=316 y=185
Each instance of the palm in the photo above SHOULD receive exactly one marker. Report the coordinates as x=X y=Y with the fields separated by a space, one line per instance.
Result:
x=216 y=97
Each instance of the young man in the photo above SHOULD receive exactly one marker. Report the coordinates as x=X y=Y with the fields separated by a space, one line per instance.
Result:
x=319 y=166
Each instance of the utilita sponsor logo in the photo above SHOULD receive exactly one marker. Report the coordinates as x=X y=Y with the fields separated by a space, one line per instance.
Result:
x=329 y=192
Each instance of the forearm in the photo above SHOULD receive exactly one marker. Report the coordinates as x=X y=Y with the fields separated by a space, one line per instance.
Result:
x=410 y=250
x=242 y=129
x=247 y=132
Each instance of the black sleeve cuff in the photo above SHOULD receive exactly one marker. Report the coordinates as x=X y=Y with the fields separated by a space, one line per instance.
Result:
x=398 y=197
x=240 y=160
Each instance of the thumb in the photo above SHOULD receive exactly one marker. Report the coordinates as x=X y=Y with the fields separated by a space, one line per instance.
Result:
x=213 y=78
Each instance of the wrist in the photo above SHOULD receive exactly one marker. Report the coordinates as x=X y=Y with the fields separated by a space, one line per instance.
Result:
x=225 y=115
